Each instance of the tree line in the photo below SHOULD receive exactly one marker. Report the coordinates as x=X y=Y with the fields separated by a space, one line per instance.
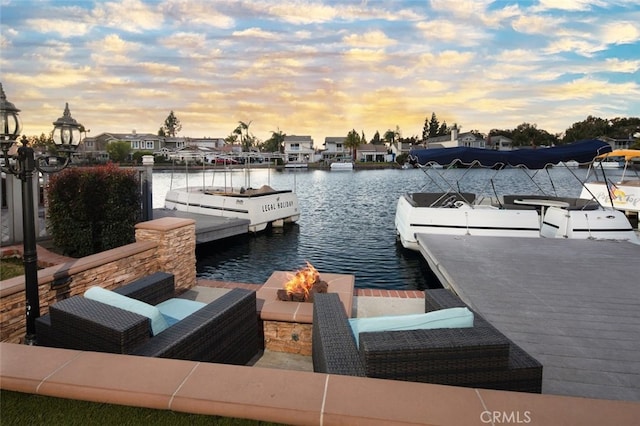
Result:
x=525 y=134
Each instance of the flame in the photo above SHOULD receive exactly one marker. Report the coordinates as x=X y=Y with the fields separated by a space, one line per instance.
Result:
x=303 y=280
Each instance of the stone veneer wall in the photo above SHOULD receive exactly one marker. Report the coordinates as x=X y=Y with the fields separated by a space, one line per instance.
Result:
x=166 y=244
x=290 y=337
x=176 y=252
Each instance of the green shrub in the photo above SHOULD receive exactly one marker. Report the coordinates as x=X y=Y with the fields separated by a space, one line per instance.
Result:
x=92 y=209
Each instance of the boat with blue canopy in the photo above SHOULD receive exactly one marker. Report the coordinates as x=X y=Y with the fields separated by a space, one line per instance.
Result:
x=455 y=210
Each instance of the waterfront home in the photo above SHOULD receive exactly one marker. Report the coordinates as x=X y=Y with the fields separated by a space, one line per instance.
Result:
x=334 y=149
x=456 y=139
x=299 y=149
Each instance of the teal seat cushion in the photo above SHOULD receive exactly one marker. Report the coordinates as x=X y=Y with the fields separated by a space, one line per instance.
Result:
x=99 y=294
x=175 y=310
x=444 y=318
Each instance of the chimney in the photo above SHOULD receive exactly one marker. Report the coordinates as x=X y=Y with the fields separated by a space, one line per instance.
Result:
x=454 y=134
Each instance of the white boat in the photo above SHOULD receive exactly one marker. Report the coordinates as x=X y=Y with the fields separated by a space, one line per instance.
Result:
x=454 y=212
x=571 y=164
x=263 y=207
x=608 y=164
x=621 y=191
x=342 y=165
x=296 y=165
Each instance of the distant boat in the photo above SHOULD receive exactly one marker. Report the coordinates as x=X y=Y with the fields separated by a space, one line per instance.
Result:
x=571 y=164
x=295 y=165
x=621 y=192
x=608 y=163
x=342 y=165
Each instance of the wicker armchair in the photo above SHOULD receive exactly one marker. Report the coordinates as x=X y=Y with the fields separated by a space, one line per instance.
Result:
x=225 y=330
x=480 y=357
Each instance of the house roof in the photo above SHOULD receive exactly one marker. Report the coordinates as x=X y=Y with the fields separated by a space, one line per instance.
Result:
x=368 y=147
x=291 y=138
x=334 y=139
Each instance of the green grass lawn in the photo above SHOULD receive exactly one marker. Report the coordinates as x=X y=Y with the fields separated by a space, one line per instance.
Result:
x=19 y=409
x=11 y=267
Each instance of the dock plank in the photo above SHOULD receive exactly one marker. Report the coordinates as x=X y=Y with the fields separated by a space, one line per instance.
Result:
x=209 y=228
x=572 y=304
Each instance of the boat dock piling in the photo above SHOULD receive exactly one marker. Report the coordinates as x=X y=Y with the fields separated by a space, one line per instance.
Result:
x=572 y=304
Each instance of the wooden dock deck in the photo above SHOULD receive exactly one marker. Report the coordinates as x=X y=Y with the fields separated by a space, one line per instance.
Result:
x=209 y=228
x=572 y=304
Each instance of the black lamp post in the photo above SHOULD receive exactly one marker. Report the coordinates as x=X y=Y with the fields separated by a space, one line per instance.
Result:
x=66 y=136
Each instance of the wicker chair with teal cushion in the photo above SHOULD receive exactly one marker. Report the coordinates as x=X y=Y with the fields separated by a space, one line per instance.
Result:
x=226 y=330
x=478 y=356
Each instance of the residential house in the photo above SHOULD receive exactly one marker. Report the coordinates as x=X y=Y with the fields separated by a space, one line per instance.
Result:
x=372 y=153
x=619 y=143
x=210 y=143
x=398 y=148
x=455 y=139
x=334 y=149
x=500 y=143
x=96 y=147
x=298 y=149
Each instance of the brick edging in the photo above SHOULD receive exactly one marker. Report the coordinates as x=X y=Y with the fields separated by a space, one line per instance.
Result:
x=359 y=292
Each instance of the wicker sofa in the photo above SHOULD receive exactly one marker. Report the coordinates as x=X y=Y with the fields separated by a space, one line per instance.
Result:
x=226 y=330
x=480 y=356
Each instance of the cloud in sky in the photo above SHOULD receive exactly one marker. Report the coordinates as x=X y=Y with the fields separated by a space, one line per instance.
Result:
x=319 y=68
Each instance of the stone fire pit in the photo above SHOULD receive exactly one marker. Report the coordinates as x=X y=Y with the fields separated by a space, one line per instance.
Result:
x=287 y=324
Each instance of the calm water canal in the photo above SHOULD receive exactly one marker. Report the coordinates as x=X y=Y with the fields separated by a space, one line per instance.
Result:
x=346 y=224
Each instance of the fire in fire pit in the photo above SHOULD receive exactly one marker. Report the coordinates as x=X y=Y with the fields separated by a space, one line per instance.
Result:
x=303 y=285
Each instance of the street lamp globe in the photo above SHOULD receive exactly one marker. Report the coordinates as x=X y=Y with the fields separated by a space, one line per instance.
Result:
x=10 y=125
x=66 y=131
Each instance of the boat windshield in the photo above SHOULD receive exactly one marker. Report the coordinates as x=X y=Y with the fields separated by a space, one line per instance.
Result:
x=491 y=175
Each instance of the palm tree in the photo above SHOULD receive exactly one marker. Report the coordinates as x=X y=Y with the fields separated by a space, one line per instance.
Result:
x=276 y=142
x=352 y=141
x=390 y=136
x=243 y=131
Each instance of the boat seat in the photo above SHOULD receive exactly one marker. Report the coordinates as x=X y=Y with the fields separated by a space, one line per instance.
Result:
x=574 y=203
x=506 y=206
x=437 y=199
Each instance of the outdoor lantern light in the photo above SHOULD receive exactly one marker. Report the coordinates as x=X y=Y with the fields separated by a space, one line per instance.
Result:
x=9 y=122
x=66 y=131
x=66 y=136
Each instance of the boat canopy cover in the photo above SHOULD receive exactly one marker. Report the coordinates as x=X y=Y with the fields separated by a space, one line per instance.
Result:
x=581 y=151
x=628 y=154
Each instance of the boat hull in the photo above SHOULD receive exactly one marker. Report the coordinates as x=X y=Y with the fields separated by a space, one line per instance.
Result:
x=595 y=224
x=273 y=208
x=625 y=195
x=341 y=166
x=462 y=220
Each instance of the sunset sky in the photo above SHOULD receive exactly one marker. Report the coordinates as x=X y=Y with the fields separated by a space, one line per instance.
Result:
x=319 y=68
